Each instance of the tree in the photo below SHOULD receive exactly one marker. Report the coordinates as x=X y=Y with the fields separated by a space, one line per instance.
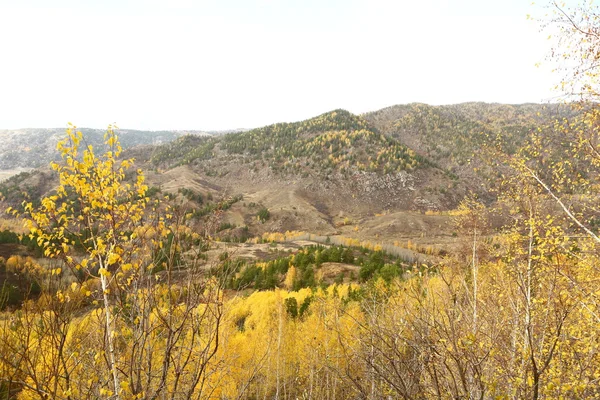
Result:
x=575 y=52
x=470 y=218
x=93 y=209
x=263 y=214
x=155 y=331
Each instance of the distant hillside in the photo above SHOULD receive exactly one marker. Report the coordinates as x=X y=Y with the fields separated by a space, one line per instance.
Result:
x=33 y=148
x=451 y=135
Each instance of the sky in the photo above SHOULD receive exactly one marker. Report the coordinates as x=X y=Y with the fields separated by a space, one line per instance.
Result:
x=226 y=64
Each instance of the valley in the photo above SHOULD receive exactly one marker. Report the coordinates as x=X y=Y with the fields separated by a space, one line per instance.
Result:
x=321 y=252
x=380 y=228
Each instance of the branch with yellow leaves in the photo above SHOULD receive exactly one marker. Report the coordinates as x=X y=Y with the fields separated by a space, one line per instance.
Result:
x=562 y=205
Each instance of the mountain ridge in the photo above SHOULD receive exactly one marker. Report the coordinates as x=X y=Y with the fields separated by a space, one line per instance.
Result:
x=392 y=174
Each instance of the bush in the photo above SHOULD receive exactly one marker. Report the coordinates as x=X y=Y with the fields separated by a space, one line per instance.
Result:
x=291 y=306
x=7 y=236
x=263 y=214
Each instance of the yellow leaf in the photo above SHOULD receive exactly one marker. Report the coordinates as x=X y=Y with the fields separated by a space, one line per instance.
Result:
x=113 y=258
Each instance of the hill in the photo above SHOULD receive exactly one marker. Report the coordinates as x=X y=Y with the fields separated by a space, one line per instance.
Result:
x=384 y=174
x=33 y=148
x=451 y=135
x=337 y=163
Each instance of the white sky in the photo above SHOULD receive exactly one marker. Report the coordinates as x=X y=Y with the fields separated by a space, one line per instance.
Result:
x=218 y=64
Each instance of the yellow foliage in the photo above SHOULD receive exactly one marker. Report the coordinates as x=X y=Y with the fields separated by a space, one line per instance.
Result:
x=290 y=277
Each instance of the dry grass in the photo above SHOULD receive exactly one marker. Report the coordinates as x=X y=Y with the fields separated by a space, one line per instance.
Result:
x=11 y=224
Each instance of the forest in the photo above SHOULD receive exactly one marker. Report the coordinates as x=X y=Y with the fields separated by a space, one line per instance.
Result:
x=117 y=300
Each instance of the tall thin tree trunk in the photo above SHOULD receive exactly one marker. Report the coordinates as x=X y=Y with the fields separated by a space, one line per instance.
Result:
x=279 y=334
x=474 y=266
x=528 y=279
x=109 y=331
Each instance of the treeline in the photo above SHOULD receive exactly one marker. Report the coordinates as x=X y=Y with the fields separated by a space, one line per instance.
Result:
x=183 y=150
x=303 y=269
x=262 y=140
x=453 y=134
x=337 y=140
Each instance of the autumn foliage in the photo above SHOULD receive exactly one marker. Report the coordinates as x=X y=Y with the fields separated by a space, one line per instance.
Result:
x=122 y=306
